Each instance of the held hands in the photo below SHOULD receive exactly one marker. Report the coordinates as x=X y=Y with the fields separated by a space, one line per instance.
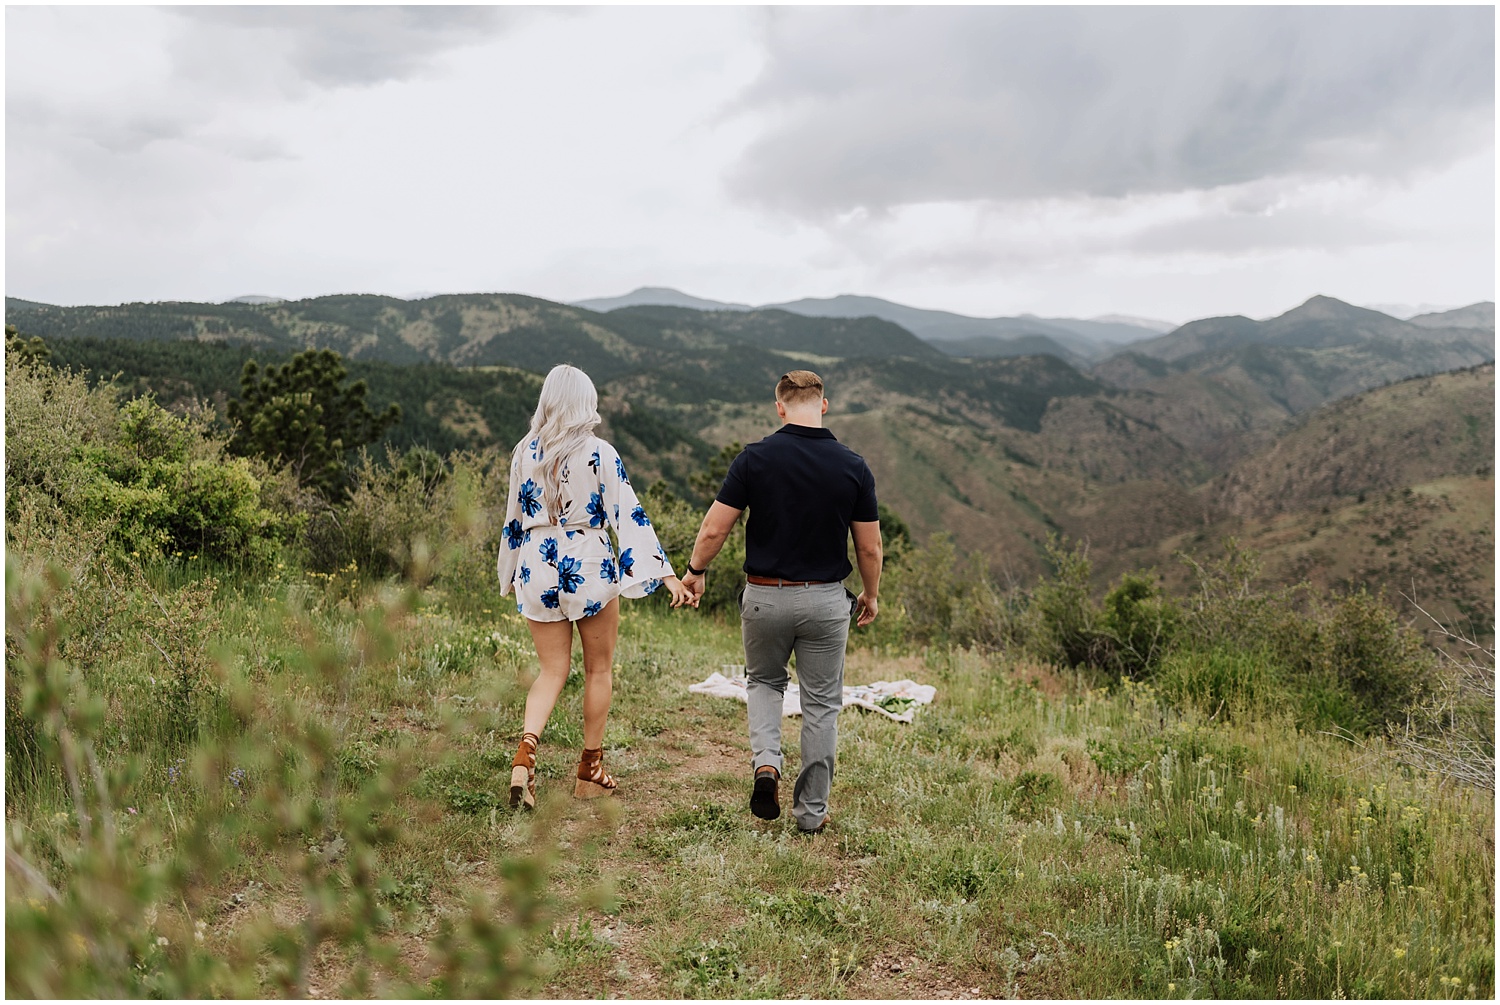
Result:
x=681 y=594
x=695 y=585
x=865 y=609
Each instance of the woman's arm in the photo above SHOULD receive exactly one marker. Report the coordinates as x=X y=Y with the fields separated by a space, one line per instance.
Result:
x=511 y=533
x=643 y=562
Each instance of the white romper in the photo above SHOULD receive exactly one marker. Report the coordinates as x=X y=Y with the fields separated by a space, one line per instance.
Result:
x=562 y=565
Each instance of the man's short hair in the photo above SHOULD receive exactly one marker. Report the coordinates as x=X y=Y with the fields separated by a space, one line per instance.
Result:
x=797 y=387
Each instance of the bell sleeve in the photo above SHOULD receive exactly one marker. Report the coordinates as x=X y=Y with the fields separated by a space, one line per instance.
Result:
x=511 y=535
x=643 y=562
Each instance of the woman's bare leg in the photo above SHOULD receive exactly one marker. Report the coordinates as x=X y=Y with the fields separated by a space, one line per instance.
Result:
x=554 y=653
x=599 y=634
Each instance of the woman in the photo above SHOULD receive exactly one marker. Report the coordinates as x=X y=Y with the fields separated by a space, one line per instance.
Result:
x=566 y=486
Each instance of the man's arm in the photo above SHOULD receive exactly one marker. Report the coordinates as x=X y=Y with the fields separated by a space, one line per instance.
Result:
x=869 y=553
x=714 y=531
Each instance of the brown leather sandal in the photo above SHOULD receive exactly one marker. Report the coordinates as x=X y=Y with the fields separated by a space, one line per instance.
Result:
x=523 y=773
x=593 y=780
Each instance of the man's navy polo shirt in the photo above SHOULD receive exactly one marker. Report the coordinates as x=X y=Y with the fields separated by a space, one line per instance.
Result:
x=803 y=488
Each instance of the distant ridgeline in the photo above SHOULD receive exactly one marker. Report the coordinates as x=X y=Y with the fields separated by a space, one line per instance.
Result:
x=1165 y=443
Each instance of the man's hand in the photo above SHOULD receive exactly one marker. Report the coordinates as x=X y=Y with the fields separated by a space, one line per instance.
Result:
x=695 y=585
x=865 y=609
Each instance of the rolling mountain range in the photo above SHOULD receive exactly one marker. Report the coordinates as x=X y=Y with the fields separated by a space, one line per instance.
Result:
x=1077 y=341
x=1168 y=445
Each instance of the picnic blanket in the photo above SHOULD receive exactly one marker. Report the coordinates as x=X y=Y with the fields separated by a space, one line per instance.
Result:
x=898 y=700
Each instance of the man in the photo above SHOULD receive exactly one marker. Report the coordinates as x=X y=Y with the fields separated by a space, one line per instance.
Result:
x=806 y=492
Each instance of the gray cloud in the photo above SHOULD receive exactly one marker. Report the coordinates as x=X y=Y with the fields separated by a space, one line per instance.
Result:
x=881 y=107
x=190 y=74
x=298 y=48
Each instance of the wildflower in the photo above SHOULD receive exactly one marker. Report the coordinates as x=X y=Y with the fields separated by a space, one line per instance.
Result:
x=1398 y=953
x=199 y=928
x=161 y=940
x=1171 y=986
x=131 y=810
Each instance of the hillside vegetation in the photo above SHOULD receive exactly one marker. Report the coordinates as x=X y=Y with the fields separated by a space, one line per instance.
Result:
x=1130 y=456
x=275 y=764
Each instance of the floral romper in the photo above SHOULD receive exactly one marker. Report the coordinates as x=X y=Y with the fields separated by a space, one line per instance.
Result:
x=562 y=565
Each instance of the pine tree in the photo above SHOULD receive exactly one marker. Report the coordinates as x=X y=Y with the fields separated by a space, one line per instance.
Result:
x=300 y=415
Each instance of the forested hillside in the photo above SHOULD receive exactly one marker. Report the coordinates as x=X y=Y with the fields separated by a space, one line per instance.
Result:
x=1130 y=456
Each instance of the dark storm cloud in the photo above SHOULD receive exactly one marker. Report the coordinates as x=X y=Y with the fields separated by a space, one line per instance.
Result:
x=880 y=107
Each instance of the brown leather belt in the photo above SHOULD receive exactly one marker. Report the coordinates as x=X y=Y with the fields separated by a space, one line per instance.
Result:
x=771 y=581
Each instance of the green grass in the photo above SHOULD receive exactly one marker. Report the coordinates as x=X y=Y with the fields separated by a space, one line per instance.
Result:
x=1027 y=835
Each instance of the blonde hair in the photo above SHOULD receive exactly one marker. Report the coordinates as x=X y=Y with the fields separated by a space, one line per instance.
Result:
x=797 y=387
x=567 y=412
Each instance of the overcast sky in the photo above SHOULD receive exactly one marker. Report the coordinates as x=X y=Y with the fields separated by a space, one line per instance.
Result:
x=1164 y=162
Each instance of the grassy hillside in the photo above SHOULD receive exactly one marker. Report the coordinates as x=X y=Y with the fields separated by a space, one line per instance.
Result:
x=1391 y=489
x=1384 y=440
x=275 y=767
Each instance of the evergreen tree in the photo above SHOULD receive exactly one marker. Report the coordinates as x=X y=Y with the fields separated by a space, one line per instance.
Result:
x=300 y=414
x=31 y=351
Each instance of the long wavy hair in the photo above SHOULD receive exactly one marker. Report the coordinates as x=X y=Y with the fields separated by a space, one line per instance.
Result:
x=567 y=412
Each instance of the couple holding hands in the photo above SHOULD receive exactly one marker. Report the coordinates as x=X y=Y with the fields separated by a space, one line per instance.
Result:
x=805 y=493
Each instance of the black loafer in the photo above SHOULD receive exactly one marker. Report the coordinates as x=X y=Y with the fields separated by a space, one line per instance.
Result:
x=764 y=800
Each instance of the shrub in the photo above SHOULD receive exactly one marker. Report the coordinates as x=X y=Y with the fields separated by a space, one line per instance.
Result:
x=1064 y=623
x=160 y=481
x=946 y=601
x=1346 y=661
x=415 y=510
x=1140 y=624
x=1362 y=645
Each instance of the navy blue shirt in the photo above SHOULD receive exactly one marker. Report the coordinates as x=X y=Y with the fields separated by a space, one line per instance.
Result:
x=803 y=488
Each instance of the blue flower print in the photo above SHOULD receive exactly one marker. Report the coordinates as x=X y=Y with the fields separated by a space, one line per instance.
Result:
x=627 y=562
x=549 y=550
x=617 y=514
x=652 y=584
x=513 y=534
x=596 y=510
x=594 y=462
x=607 y=570
x=536 y=448
x=527 y=538
x=569 y=579
x=620 y=469
x=550 y=601
x=530 y=497
x=525 y=573
x=592 y=608
x=639 y=516
x=520 y=607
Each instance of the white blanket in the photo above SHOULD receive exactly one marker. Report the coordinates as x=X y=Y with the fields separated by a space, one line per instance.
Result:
x=898 y=700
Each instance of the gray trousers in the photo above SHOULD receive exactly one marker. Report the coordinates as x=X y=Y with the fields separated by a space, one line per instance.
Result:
x=813 y=622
